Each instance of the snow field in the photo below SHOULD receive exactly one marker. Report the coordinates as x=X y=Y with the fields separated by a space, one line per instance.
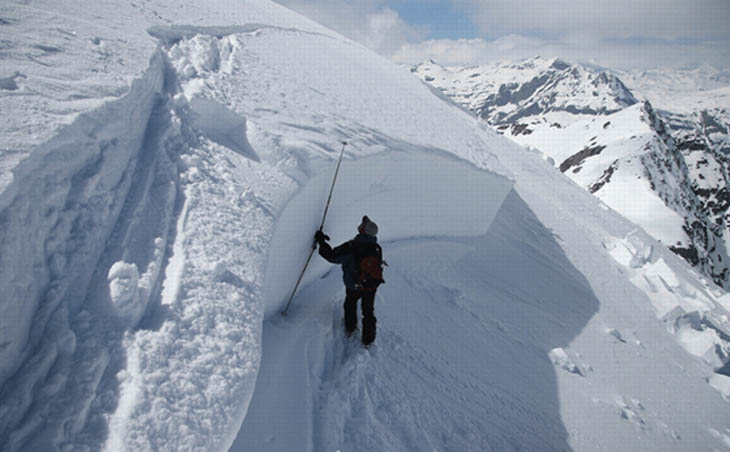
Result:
x=630 y=195
x=283 y=130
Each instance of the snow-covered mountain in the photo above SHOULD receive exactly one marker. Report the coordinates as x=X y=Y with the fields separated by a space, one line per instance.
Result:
x=164 y=167
x=504 y=93
x=661 y=162
x=677 y=90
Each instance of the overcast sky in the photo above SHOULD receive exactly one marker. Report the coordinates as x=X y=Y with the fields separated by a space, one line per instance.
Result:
x=621 y=34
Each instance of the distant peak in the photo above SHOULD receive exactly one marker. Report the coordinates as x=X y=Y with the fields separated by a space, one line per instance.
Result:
x=427 y=63
x=545 y=63
x=559 y=64
x=534 y=61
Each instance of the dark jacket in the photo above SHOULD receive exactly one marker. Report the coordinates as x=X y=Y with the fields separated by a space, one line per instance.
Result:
x=345 y=256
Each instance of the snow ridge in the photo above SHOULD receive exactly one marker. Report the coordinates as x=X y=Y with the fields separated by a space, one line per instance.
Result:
x=69 y=193
x=120 y=189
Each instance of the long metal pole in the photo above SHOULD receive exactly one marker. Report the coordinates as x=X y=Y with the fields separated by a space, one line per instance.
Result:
x=321 y=226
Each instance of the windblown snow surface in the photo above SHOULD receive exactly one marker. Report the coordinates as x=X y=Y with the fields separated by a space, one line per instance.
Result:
x=164 y=168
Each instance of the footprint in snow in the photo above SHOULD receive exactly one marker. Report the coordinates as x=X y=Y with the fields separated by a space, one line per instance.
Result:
x=617 y=334
x=560 y=358
x=9 y=83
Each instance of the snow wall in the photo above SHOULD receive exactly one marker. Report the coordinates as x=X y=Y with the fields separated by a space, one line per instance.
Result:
x=408 y=194
x=57 y=213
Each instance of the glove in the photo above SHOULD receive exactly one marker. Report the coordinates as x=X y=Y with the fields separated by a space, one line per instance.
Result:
x=320 y=237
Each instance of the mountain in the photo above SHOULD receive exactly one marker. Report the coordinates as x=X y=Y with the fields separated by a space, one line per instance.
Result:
x=164 y=169
x=663 y=163
x=504 y=93
x=676 y=89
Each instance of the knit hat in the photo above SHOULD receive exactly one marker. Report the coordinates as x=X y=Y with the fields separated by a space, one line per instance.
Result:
x=367 y=227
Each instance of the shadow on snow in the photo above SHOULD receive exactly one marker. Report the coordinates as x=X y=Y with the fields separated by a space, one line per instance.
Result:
x=460 y=362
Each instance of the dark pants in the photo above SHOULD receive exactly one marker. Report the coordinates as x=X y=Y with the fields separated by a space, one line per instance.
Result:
x=368 y=313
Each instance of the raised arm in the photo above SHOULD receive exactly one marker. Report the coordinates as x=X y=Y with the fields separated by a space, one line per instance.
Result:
x=337 y=255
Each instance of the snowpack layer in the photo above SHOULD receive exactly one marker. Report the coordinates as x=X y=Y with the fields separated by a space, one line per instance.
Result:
x=152 y=233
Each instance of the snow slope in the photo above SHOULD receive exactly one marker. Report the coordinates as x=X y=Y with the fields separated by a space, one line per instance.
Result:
x=151 y=233
x=605 y=156
x=678 y=89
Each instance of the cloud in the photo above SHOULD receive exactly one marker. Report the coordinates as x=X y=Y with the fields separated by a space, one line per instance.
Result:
x=369 y=22
x=618 y=33
x=613 y=53
x=595 y=19
x=460 y=52
x=621 y=34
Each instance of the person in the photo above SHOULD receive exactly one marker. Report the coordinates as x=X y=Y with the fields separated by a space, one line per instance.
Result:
x=360 y=283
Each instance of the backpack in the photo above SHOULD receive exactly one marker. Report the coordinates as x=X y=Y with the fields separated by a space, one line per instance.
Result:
x=369 y=258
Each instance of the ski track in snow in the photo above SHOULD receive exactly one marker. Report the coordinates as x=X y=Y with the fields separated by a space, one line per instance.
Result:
x=143 y=311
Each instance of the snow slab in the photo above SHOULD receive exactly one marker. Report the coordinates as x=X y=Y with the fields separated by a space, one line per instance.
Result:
x=409 y=194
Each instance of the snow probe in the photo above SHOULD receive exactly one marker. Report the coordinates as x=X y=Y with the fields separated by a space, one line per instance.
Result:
x=321 y=226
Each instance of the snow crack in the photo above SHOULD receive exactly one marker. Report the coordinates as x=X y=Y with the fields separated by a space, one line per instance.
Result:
x=172 y=34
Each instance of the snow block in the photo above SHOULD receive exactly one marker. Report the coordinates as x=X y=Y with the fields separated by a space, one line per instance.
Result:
x=221 y=125
x=722 y=384
x=561 y=359
x=123 y=290
x=408 y=194
x=724 y=301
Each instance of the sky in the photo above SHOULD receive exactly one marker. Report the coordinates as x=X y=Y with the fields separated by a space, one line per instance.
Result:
x=621 y=34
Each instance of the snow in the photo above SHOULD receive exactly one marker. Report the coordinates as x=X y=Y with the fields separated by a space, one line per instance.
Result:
x=560 y=358
x=663 y=167
x=446 y=344
x=414 y=194
x=629 y=192
x=538 y=85
x=160 y=197
x=123 y=279
x=681 y=90
x=722 y=384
